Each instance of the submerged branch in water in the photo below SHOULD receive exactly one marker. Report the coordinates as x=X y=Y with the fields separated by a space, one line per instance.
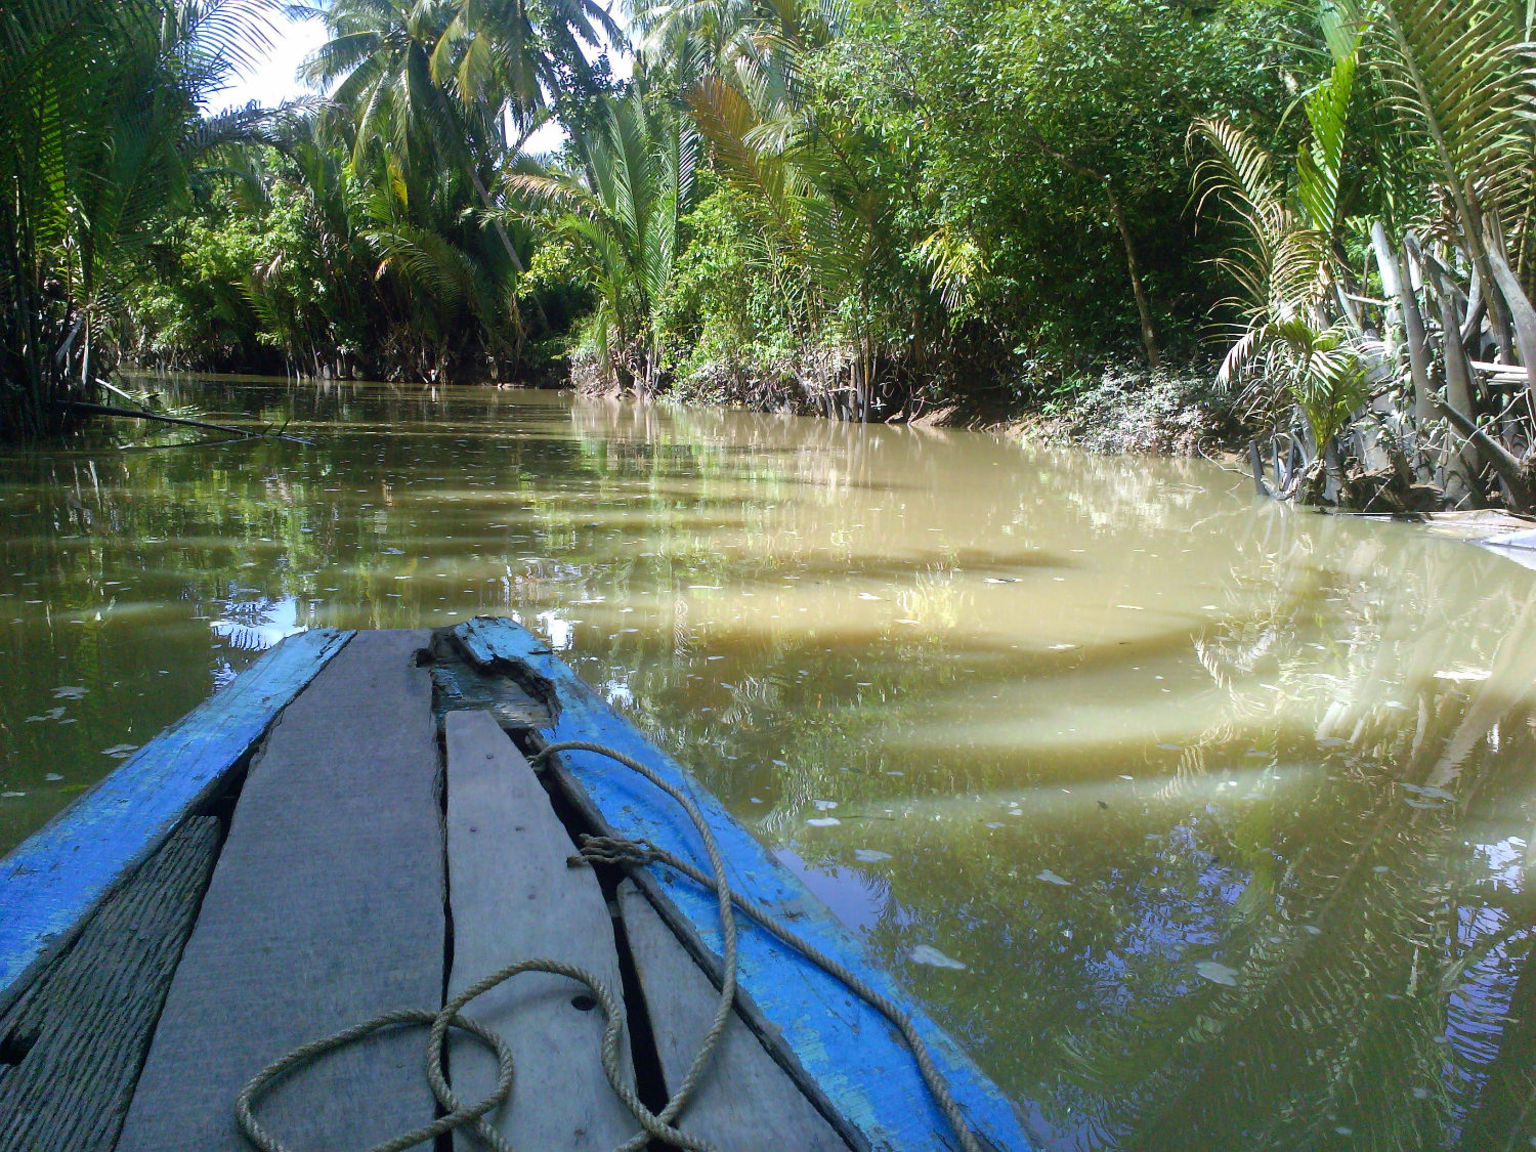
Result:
x=89 y=409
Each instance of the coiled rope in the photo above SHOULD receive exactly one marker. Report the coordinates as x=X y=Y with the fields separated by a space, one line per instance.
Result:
x=597 y=850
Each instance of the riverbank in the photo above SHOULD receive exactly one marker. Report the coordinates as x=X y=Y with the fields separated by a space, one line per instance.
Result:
x=1120 y=408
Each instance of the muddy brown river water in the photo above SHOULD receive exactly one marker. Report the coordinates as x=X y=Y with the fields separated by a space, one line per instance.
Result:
x=1202 y=823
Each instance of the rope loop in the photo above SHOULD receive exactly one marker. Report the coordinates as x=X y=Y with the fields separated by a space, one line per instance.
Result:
x=659 y=1125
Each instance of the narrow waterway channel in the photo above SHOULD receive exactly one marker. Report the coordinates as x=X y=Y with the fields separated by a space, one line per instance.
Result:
x=1204 y=824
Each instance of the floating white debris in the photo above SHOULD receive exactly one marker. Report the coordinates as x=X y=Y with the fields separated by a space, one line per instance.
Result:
x=1170 y=747
x=1051 y=878
x=1131 y=607
x=1217 y=973
x=52 y=777
x=909 y=621
x=1123 y=776
x=51 y=714
x=924 y=954
x=1061 y=647
x=11 y=795
x=824 y=805
x=870 y=855
x=1002 y=579
x=824 y=822
x=1331 y=742
x=993 y=824
x=70 y=692
x=1463 y=674
x=119 y=750
x=869 y=596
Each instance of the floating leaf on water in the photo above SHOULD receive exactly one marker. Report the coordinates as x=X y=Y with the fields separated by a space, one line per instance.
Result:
x=1051 y=878
x=1217 y=973
x=824 y=822
x=924 y=954
x=70 y=691
x=870 y=855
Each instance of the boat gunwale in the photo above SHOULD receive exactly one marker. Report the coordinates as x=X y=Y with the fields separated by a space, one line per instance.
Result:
x=55 y=880
x=799 y=1007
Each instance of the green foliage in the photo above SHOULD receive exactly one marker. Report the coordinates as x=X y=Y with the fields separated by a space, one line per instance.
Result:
x=100 y=143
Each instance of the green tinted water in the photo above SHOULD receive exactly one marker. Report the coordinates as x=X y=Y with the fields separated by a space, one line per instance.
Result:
x=1225 y=810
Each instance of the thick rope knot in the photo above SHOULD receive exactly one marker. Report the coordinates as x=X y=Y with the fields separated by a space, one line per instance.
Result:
x=617 y=850
x=659 y=1125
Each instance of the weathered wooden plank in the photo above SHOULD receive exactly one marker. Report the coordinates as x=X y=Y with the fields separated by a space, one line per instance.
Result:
x=52 y=881
x=745 y=1101
x=86 y=1022
x=514 y=898
x=325 y=909
x=845 y=1048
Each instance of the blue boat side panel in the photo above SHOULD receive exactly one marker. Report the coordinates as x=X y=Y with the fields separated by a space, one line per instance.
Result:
x=856 y=1057
x=55 y=878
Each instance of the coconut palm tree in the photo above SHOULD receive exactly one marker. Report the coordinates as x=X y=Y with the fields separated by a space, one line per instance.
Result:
x=622 y=204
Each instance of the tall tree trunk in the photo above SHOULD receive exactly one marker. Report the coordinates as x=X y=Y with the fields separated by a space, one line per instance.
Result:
x=1395 y=280
x=1458 y=375
x=1143 y=307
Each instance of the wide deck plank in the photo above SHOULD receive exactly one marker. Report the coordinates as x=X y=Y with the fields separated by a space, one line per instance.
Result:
x=514 y=898
x=86 y=1023
x=744 y=1101
x=325 y=909
x=50 y=884
x=845 y=1049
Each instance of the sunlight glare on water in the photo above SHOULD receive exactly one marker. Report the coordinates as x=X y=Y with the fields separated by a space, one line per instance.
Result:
x=1201 y=823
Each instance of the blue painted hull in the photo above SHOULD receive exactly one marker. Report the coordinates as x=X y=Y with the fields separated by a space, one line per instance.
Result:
x=847 y=1056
